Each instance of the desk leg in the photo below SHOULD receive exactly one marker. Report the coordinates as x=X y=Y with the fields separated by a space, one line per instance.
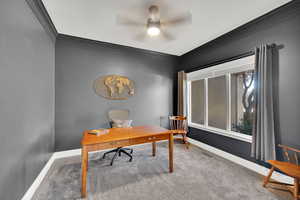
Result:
x=153 y=148
x=171 y=144
x=84 y=161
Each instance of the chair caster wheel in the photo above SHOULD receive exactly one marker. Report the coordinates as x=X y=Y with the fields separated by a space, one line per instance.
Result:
x=130 y=160
x=131 y=151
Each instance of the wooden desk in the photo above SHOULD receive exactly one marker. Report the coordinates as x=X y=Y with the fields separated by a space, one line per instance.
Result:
x=121 y=137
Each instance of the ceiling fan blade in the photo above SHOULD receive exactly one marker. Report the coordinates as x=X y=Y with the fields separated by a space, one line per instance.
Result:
x=141 y=37
x=184 y=18
x=126 y=21
x=166 y=35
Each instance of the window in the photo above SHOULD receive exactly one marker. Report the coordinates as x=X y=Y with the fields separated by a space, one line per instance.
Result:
x=220 y=98
x=217 y=109
x=197 y=103
x=242 y=102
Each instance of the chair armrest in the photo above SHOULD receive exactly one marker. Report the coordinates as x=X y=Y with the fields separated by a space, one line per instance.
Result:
x=289 y=148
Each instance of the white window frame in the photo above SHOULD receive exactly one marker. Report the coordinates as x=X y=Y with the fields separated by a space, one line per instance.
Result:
x=224 y=69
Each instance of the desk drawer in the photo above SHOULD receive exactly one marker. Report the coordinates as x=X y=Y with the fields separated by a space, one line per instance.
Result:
x=108 y=145
x=121 y=143
x=149 y=139
x=96 y=147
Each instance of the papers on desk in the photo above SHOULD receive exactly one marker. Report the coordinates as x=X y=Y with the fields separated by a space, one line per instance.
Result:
x=98 y=132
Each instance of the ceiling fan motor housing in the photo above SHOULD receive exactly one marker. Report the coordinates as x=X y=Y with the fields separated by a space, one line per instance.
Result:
x=154 y=13
x=153 y=9
x=151 y=23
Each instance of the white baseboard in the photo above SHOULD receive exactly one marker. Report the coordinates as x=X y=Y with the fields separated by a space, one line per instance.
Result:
x=243 y=162
x=76 y=152
x=57 y=155
x=38 y=180
x=68 y=153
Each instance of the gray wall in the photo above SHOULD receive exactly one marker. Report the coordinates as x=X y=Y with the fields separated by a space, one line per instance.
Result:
x=79 y=62
x=27 y=98
x=281 y=27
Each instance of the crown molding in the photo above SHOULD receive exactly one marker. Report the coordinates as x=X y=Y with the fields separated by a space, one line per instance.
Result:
x=42 y=15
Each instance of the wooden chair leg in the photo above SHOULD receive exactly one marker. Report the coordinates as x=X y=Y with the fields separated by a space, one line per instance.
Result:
x=187 y=145
x=296 y=189
x=267 y=178
x=185 y=141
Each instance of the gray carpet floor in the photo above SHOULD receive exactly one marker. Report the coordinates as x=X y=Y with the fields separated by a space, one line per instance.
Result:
x=198 y=175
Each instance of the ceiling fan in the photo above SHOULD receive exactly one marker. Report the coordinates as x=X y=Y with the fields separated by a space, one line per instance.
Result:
x=154 y=25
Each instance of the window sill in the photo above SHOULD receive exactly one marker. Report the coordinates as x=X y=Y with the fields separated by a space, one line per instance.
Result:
x=231 y=134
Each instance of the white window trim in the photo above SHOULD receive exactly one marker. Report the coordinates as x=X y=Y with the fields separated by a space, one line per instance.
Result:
x=235 y=66
x=239 y=65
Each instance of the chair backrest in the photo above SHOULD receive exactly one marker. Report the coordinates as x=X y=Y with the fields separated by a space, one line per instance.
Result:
x=178 y=123
x=291 y=154
x=121 y=114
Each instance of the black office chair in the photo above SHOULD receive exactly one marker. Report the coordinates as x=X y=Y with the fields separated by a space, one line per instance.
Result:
x=118 y=115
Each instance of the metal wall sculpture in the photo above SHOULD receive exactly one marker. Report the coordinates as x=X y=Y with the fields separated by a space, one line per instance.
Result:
x=114 y=87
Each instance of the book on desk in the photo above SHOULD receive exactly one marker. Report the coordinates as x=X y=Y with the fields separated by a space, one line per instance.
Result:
x=98 y=132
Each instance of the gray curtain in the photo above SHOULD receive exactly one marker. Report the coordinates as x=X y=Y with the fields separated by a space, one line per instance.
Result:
x=181 y=110
x=263 y=140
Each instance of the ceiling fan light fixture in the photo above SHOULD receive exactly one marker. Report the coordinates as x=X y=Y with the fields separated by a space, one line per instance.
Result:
x=153 y=30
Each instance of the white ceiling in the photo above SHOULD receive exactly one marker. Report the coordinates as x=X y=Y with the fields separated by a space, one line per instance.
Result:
x=96 y=19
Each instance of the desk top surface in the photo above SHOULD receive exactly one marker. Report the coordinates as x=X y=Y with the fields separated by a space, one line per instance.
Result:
x=116 y=134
